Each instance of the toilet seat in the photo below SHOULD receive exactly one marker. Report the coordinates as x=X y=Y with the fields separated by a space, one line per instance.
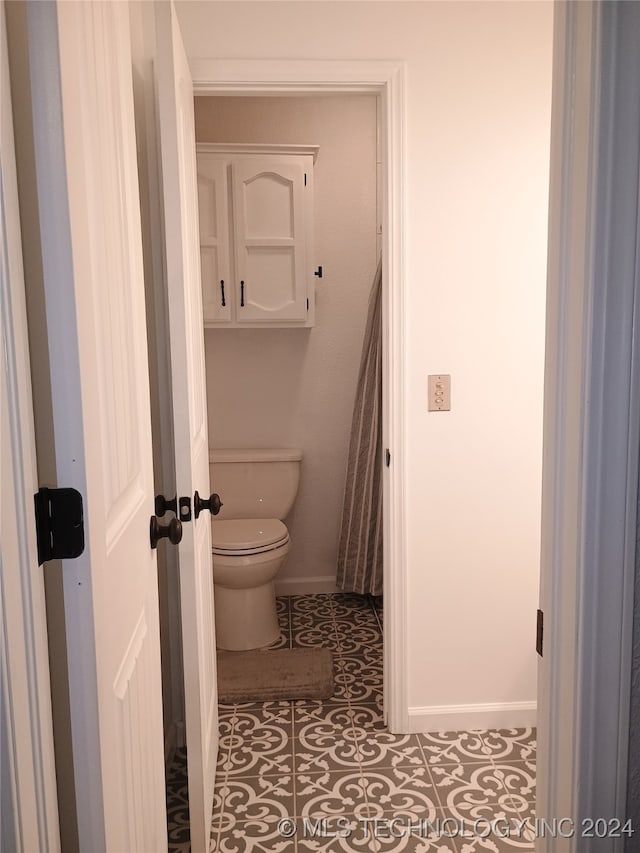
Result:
x=244 y=536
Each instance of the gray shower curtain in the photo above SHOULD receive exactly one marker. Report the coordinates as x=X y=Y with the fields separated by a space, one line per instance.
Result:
x=360 y=549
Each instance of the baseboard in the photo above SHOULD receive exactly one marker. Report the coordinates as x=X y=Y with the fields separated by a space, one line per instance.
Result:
x=305 y=586
x=452 y=718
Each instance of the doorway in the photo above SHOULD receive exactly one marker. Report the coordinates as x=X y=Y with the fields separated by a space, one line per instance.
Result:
x=384 y=80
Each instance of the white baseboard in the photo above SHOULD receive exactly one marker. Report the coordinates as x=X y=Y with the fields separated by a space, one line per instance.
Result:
x=452 y=718
x=305 y=586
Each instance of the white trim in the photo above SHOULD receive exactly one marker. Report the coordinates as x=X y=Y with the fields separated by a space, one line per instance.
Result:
x=592 y=427
x=234 y=148
x=456 y=718
x=318 y=584
x=300 y=77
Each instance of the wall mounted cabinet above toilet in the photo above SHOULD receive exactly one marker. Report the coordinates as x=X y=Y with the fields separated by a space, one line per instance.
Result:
x=256 y=234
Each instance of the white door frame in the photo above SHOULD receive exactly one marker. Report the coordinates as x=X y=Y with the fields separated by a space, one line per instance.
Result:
x=591 y=421
x=311 y=77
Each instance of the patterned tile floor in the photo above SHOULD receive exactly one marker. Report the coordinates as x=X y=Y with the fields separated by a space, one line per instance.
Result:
x=332 y=776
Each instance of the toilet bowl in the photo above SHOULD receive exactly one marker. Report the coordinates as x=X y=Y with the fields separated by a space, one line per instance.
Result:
x=247 y=556
x=250 y=542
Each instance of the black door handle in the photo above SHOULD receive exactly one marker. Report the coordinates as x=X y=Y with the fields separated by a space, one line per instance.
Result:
x=171 y=531
x=162 y=505
x=213 y=504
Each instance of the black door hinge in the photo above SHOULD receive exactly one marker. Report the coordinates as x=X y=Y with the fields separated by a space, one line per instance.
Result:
x=387 y=457
x=539 y=631
x=59 y=524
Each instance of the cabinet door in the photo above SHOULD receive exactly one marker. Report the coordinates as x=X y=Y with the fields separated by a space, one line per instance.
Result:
x=269 y=222
x=214 y=239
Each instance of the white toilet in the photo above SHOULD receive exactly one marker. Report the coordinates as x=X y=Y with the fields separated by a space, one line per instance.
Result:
x=250 y=542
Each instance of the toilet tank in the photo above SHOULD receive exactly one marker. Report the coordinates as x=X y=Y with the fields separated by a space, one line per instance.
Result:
x=255 y=483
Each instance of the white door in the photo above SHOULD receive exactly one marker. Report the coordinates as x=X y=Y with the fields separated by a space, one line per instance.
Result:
x=29 y=808
x=89 y=219
x=177 y=140
x=270 y=240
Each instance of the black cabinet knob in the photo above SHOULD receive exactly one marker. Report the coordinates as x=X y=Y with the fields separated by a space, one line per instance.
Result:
x=213 y=504
x=171 y=531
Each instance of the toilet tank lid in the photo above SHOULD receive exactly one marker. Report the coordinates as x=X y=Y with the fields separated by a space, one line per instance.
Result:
x=290 y=454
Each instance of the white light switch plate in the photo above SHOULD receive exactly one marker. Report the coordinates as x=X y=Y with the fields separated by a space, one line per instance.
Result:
x=440 y=392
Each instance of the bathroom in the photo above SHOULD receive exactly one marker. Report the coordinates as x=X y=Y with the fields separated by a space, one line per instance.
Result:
x=295 y=387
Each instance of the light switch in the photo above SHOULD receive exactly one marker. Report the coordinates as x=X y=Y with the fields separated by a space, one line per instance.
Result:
x=440 y=393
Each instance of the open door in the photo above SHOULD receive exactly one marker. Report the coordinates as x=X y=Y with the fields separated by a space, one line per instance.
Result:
x=177 y=141
x=28 y=807
x=87 y=230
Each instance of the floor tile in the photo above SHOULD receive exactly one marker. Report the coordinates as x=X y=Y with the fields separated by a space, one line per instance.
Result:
x=336 y=761
x=382 y=749
x=260 y=835
x=330 y=794
x=324 y=744
x=454 y=747
x=351 y=637
x=473 y=792
x=518 y=778
x=368 y=716
x=394 y=789
x=306 y=633
x=359 y=676
x=255 y=798
x=511 y=744
x=311 y=606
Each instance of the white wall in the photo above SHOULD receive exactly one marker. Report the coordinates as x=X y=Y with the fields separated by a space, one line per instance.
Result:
x=295 y=387
x=478 y=91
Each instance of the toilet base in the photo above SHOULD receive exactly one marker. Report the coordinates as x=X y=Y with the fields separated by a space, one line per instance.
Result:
x=245 y=618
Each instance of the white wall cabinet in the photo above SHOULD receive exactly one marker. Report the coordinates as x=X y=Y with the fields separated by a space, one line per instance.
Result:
x=256 y=234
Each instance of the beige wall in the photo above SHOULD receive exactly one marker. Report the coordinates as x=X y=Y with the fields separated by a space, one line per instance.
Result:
x=295 y=387
x=477 y=117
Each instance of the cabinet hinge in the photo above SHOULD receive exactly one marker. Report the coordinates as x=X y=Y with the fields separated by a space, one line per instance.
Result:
x=539 y=631
x=59 y=524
